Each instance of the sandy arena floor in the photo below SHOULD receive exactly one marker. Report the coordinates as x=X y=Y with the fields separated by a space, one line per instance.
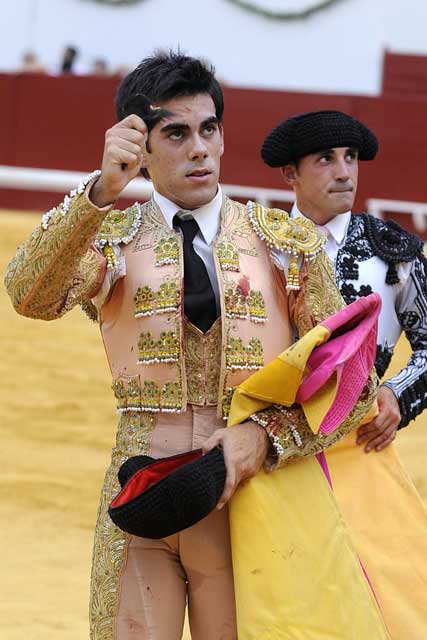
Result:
x=58 y=423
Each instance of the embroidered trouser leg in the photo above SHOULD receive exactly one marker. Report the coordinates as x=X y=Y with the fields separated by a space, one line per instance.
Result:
x=140 y=586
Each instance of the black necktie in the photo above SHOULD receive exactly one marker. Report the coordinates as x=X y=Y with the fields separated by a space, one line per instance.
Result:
x=199 y=297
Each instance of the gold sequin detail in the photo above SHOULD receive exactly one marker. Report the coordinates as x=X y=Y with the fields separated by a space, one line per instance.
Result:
x=168 y=348
x=226 y=398
x=166 y=300
x=171 y=397
x=240 y=356
x=144 y=302
x=228 y=256
x=235 y=303
x=119 y=226
x=168 y=297
x=150 y=396
x=147 y=346
x=202 y=363
x=296 y=236
x=164 y=349
x=319 y=296
x=283 y=423
x=237 y=306
x=256 y=305
x=167 y=251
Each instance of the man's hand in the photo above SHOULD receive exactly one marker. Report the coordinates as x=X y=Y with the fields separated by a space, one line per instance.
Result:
x=245 y=448
x=381 y=430
x=123 y=153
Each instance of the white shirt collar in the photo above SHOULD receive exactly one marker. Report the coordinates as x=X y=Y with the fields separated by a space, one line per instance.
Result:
x=208 y=216
x=337 y=227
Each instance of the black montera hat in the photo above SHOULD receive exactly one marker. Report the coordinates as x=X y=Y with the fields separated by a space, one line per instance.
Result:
x=314 y=131
x=165 y=496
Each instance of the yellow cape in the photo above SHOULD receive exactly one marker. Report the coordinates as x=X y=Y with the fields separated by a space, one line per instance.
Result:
x=296 y=572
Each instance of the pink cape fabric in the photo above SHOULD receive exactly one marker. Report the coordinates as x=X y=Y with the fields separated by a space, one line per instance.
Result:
x=349 y=353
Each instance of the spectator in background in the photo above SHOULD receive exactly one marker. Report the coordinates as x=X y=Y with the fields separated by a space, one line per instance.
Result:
x=69 y=63
x=31 y=63
x=100 y=67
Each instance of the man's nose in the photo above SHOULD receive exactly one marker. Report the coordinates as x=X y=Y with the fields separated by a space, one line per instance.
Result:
x=198 y=147
x=342 y=171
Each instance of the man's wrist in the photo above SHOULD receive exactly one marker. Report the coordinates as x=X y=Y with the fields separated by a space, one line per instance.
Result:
x=389 y=385
x=100 y=196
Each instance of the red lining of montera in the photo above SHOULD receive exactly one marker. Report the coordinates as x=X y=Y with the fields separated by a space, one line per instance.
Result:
x=156 y=471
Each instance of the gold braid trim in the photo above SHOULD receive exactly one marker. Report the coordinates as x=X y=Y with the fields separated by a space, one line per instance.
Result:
x=290 y=434
x=54 y=269
x=111 y=544
x=318 y=297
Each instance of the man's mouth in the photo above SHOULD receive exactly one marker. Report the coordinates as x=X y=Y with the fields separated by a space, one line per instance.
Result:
x=199 y=173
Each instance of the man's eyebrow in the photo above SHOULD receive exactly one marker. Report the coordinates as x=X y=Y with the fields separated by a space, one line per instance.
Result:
x=174 y=126
x=181 y=126
x=210 y=120
x=324 y=152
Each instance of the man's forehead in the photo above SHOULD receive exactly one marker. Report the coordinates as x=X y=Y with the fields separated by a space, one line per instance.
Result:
x=334 y=150
x=185 y=108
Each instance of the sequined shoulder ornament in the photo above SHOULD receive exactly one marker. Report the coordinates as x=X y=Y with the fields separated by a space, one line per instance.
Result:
x=118 y=227
x=392 y=244
x=296 y=236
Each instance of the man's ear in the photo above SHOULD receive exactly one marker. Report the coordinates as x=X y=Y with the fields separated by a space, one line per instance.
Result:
x=221 y=132
x=289 y=173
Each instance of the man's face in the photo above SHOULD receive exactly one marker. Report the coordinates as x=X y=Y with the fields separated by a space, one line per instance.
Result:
x=325 y=183
x=185 y=150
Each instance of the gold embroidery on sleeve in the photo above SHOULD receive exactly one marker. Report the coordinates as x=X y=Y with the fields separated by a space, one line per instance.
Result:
x=55 y=269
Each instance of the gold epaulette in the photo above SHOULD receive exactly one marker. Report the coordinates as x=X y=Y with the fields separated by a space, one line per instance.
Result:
x=118 y=227
x=297 y=236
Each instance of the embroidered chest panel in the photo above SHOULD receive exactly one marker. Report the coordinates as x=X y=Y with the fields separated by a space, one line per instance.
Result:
x=167 y=362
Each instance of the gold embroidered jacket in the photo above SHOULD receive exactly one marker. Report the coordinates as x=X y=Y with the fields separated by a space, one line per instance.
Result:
x=64 y=263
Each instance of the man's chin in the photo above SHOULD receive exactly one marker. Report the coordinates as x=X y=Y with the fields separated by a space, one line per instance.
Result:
x=195 y=198
x=342 y=204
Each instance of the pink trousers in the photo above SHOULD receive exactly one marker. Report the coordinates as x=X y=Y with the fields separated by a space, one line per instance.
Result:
x=192 y=568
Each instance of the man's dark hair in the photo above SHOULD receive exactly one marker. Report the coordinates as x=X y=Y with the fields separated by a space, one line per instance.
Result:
x=166 y=75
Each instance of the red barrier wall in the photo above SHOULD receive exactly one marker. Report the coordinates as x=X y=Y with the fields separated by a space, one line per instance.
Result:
x=405 y=75
x=59 y=122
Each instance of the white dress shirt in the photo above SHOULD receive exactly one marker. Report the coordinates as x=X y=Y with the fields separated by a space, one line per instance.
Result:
x=208 y=217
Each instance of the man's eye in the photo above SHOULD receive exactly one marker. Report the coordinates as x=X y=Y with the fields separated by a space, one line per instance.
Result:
x=176 y=135
x=210 y=129
x=324 y=159
x=351 y=155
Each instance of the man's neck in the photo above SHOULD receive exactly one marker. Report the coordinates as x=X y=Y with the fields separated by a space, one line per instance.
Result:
x=319 y=218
